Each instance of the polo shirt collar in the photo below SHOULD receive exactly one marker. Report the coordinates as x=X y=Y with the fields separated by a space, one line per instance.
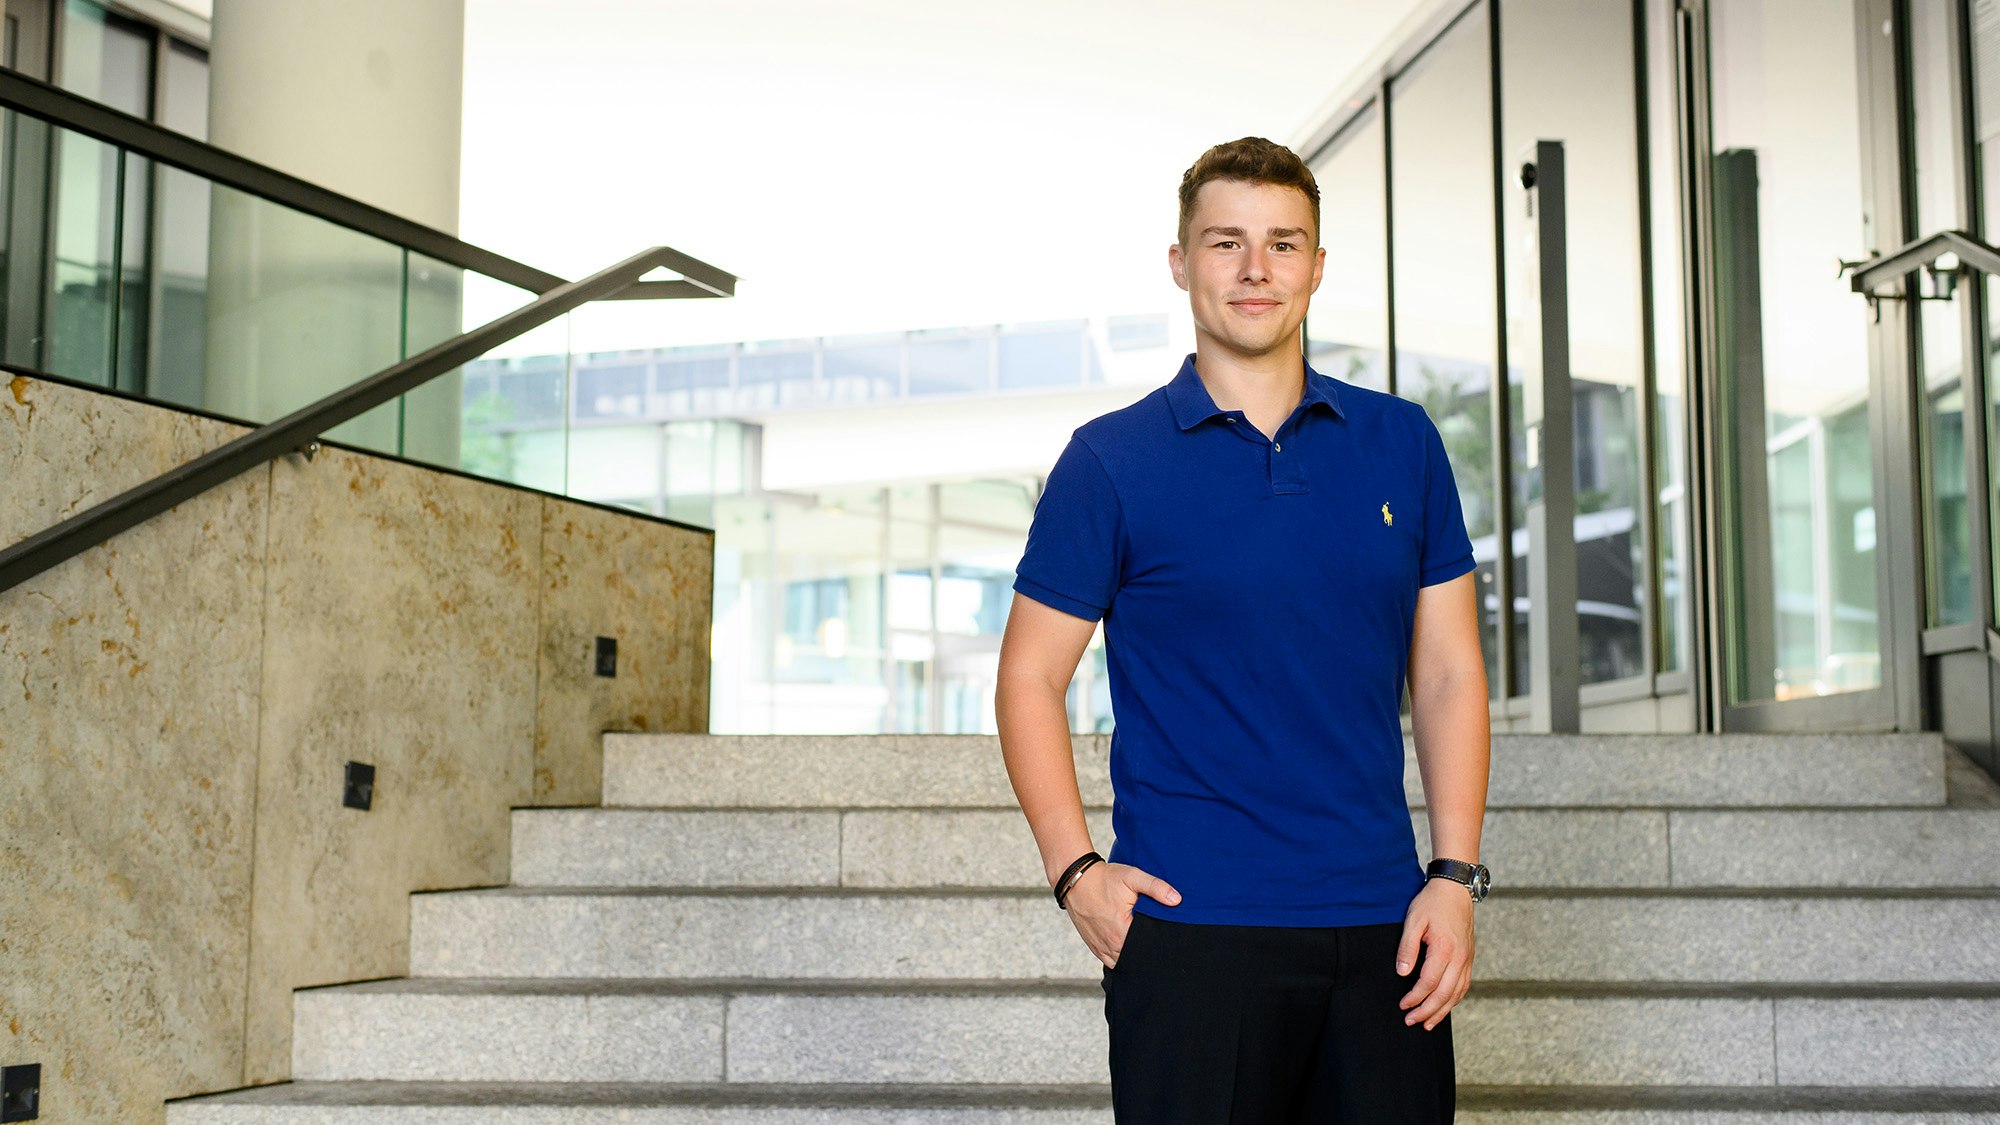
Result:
x=1193 y=405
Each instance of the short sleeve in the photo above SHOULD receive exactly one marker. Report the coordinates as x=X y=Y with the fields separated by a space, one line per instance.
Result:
x=1447 y=552
x=1075 y=552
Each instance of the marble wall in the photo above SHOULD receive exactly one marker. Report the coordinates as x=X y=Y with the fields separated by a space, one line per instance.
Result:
x=604 y=575
x=177 y=706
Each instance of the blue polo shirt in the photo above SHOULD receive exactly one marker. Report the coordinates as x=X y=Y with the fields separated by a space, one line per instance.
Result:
x=1258 y=597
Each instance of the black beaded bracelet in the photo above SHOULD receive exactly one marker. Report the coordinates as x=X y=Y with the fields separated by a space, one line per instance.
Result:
x=1071 y=874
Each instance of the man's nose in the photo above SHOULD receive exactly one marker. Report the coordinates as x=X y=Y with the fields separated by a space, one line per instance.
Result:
x=1256 y=266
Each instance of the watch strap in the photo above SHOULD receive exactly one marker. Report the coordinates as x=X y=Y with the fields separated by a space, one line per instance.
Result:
x=1472 y=875
x=1457 y=870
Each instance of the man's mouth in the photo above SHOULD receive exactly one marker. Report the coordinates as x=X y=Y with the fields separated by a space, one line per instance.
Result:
x=1255 y=304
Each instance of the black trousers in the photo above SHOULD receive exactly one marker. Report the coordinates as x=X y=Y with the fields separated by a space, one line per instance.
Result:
x=1270 y=1025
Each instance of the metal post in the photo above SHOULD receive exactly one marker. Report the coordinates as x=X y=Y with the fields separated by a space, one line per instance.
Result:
x=1549 y=436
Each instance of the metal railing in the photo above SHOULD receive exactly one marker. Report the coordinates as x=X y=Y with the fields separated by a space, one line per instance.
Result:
x=1872 y=273
x=137 y=135
x=299 y=431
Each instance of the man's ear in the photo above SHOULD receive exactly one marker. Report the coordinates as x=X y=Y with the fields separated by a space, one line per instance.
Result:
x=1319 y=267
x=1177 y=262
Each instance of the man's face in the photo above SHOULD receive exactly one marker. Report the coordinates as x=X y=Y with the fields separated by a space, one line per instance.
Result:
x=1250 y=265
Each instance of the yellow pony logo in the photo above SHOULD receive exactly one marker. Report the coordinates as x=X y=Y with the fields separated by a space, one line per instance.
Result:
x=1386 y=517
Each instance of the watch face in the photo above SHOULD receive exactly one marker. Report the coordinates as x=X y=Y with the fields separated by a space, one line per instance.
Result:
x=1481 y=883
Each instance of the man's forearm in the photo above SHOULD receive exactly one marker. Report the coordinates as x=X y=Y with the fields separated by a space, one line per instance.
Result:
x=1041 y=764
x=1451 y=722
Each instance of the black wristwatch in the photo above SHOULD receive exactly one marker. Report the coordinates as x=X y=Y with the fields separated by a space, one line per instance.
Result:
x=1473 y=875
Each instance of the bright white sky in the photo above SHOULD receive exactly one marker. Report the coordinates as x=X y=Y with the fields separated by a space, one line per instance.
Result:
x=866 y=165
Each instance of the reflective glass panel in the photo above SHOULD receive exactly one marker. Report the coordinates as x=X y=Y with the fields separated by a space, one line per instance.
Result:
x=103 y=218
x=297 y=308
x=617 y=465
x=432 y=416
x=770 y=379
x=1797 y=497
x=1566 y=68
x=25 y=192
x=864 y=369
x=950 y=364
x=1985 y=55
x=513 y=421
x=1049 y=357
x=86 y=228
x=1347 y=327
x=1665 y=236
x=1941 y=315
x=1441 y=149
x=180 y=289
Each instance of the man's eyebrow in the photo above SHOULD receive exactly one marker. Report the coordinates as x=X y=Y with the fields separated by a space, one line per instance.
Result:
x=1237 y=232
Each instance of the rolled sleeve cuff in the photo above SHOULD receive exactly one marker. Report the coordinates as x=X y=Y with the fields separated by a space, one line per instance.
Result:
x=1063 y=602
x=1447 y=571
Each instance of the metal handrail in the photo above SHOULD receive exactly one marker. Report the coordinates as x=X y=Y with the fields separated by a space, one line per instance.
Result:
x=1924 y=251
x=59 y=107
x=295 y=431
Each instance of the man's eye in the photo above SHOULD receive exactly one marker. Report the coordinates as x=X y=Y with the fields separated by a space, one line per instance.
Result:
x=1225 y=245
x=1283 y=246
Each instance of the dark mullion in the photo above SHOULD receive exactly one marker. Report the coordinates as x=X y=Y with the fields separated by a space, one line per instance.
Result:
x=1497 y=387
x=1393 y=381
x=1646 y=518
x=1709 y=639
x=1972 y=321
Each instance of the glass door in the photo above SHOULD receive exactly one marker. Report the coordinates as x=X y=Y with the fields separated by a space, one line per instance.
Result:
x=1798 y=413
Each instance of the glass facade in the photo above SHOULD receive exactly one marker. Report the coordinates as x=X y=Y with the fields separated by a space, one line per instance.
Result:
x=1730 y=445
x=864 y=609
x=839 y=608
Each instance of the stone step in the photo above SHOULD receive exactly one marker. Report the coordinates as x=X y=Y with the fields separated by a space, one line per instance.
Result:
x=1054 y=1032
x=481 y=1103
x=1557 y=935
x=1528 y=771
x=702 y=1103
x=1908 y=848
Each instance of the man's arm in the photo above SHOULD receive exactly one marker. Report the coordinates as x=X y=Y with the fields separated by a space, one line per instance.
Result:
x=1039 y=652
x=1449 y=717
x=1038 y=655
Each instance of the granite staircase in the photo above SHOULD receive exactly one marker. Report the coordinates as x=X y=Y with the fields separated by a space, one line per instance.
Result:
x=855 y=930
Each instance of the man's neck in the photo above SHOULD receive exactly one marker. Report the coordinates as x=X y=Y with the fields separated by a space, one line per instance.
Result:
x=1266 y=388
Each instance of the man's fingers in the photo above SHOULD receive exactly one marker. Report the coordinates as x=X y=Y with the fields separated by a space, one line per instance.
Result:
x=1406 y=952
x=1441 y=1001
x=1457 y=979
x=1435 y=963
x=1155 y=887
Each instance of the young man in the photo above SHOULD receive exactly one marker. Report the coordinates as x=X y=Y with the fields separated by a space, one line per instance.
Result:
x=1271 y=551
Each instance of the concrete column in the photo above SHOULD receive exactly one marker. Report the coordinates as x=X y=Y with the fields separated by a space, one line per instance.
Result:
x=363 y=97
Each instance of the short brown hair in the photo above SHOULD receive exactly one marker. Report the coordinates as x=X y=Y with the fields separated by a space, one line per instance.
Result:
x=1251 y=160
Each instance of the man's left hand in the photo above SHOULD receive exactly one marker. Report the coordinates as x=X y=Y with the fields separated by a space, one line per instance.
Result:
x=1440 y=917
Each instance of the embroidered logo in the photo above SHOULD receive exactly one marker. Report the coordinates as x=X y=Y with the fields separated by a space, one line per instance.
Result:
x=1386 y=517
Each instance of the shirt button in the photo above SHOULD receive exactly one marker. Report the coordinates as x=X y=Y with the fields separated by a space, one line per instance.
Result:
x=1276 y=446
